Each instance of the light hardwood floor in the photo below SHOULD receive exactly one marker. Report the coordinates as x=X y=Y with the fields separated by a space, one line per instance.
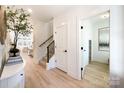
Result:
x=37 y=77
x=97 y=73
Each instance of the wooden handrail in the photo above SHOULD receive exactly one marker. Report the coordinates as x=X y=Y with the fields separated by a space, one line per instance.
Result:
x=50 y=43
x=46 y=41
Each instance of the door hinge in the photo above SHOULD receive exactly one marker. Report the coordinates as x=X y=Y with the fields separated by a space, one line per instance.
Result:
x=81 y=68
x=81 y=72
x=82 y=48
x=81 y=27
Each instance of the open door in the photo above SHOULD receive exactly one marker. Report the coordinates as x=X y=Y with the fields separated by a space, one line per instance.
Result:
x=85 y=46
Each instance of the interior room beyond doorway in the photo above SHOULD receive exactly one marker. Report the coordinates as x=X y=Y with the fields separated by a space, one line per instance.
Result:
x=95 y=48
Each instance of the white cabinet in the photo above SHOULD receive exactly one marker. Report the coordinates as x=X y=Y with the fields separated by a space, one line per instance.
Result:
x=13 y=76
x=3 y=83
x=15 y=81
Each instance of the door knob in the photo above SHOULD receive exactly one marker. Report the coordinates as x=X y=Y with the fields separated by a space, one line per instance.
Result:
x=65 y=51
x=21 y=74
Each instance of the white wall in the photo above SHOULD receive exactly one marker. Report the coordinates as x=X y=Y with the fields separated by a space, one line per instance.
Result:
x=42 y=31
x=74 y=45
x=99 y=56
x=4 y=49
x=1 y=54
x=117 y=46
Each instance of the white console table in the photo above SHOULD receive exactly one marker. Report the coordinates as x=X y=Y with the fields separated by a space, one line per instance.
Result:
x=13 y=76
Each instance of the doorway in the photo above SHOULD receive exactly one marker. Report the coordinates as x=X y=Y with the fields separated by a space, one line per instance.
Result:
x=95 y=48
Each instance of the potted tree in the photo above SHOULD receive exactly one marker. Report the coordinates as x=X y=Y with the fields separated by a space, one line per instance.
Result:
x=18 y=22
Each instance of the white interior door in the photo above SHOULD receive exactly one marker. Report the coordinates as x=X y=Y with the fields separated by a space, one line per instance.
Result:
x=85 y=45
x=61 y=47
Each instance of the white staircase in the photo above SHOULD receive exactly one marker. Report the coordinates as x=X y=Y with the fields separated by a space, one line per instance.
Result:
x=48 y=61
x=47 y=65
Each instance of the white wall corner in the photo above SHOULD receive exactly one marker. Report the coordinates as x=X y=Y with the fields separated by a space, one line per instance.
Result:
x=51 y=64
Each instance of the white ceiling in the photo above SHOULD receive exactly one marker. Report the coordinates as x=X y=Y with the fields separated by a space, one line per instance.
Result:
x=100 y=17
x=46 y=12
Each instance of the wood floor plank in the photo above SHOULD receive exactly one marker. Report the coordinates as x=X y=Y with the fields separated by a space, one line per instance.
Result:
x=97 y=73
x=36 y=76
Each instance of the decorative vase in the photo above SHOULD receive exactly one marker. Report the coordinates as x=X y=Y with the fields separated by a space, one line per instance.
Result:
x=14 y=52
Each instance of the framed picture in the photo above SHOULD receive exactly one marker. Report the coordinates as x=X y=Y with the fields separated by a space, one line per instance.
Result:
x=103 y=39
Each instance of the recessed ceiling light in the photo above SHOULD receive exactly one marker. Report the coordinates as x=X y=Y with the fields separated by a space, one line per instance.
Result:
x=30 y=10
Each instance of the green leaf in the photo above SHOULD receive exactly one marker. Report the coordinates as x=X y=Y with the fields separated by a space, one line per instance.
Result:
x=17 y=21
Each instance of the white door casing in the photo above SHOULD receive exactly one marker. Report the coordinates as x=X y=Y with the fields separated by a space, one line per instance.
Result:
x=85 y=45
x=61 y=46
